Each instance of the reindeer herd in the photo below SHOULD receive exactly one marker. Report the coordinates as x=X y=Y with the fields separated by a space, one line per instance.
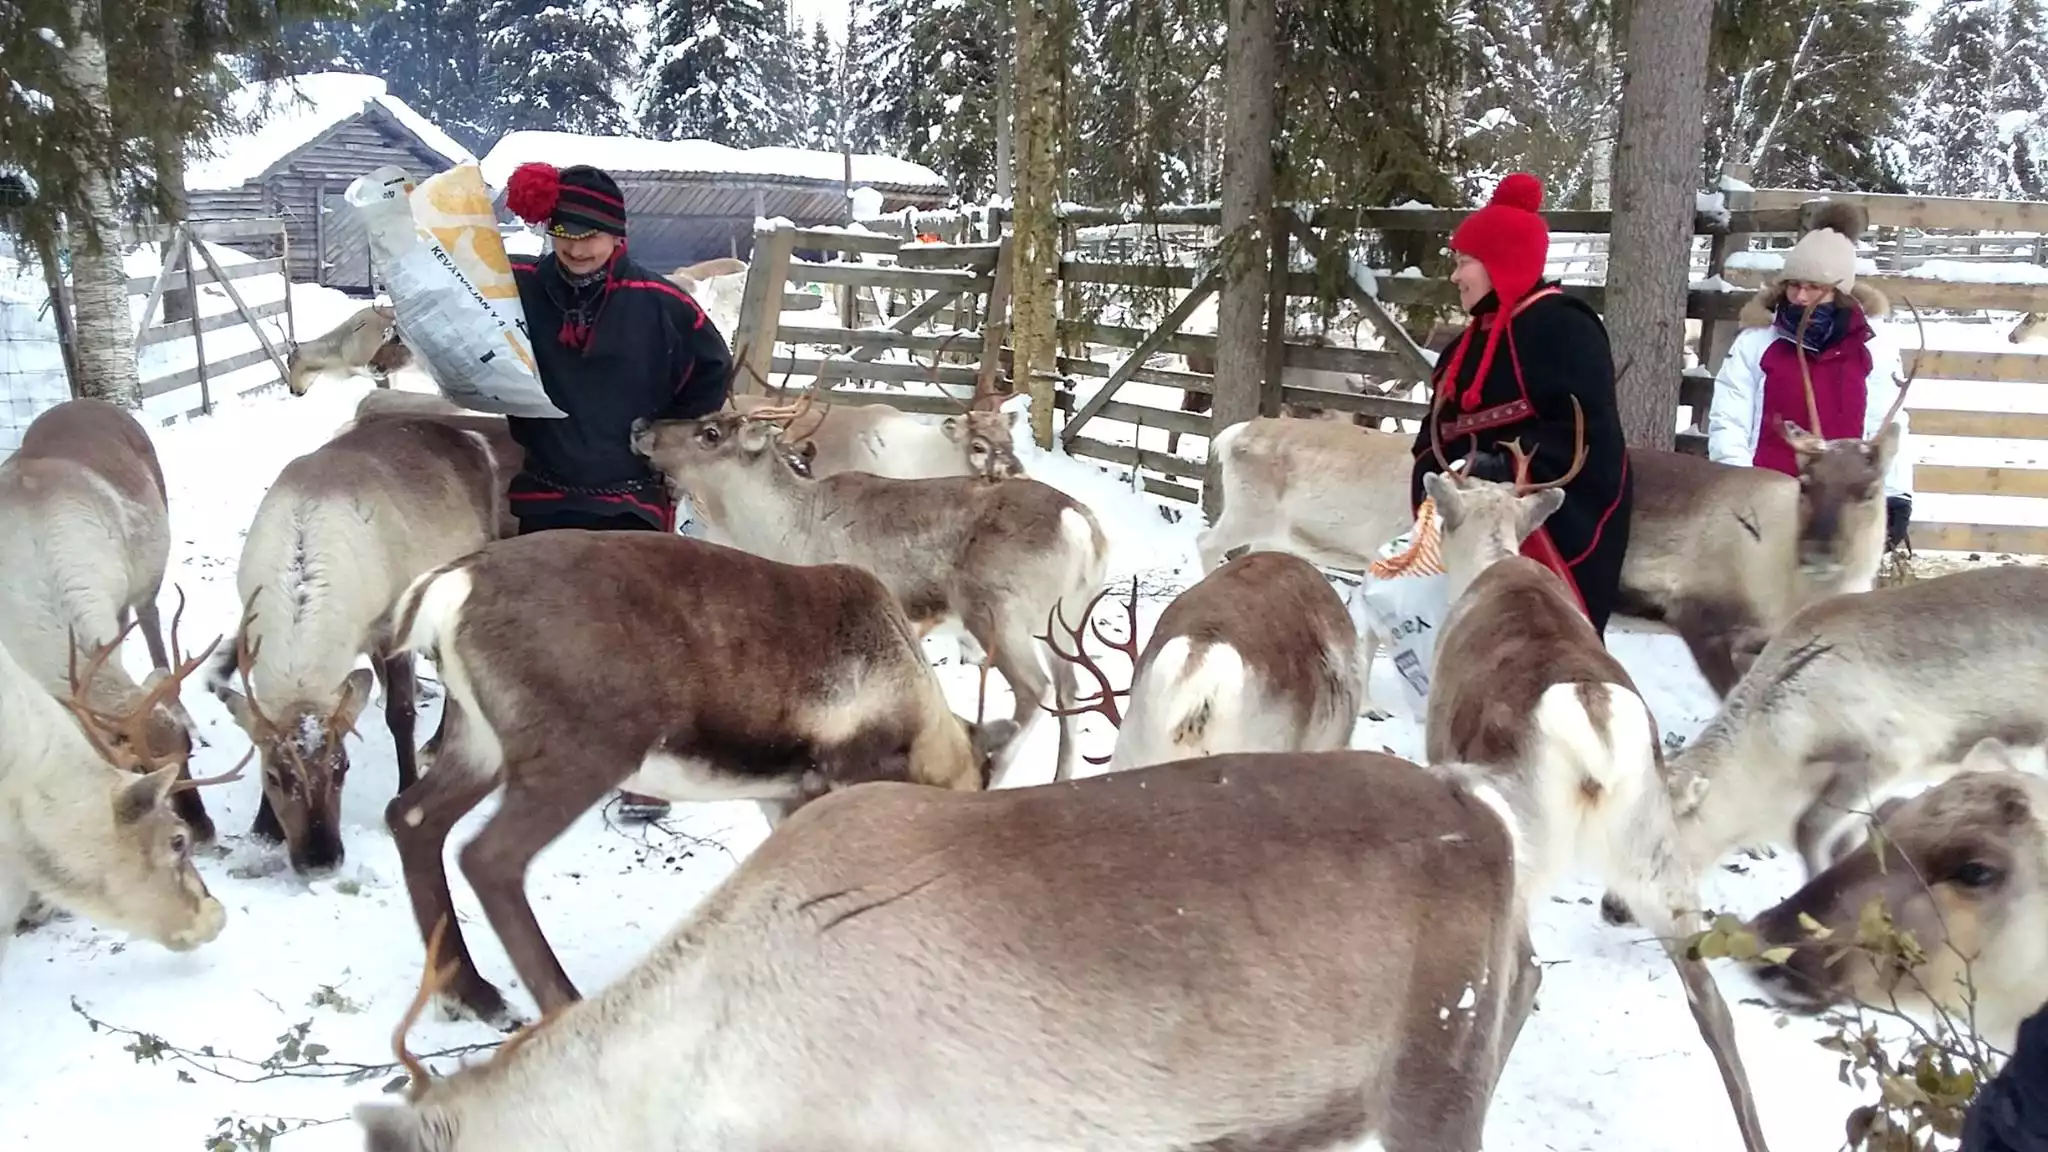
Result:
x=1244 y=934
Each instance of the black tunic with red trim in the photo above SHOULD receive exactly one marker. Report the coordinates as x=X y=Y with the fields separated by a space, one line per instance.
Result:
x=1554 y=349
x=625 y=346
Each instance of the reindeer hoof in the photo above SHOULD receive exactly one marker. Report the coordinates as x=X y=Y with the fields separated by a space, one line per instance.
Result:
x=1614 y=912
x=484 y=1004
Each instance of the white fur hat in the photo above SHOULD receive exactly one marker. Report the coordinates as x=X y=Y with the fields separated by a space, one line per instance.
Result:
x=1827 y=254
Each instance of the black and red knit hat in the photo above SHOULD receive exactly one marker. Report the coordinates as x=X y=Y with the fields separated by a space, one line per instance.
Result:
x=573 y=202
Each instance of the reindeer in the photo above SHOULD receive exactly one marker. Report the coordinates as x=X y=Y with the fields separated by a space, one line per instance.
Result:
x=509 y=456
x=339 y=535
x=1525 y=692
x=366 y=343
x=997 y=557
x=1725 y=554
x=1859 y=696
x=1330 y=493
x=85 y=536
x=1963 y=867
x=1261 y=951
x=1258 y=656
x=882 y=441
x=718 y=287
x=89 y=819
x=701 y=673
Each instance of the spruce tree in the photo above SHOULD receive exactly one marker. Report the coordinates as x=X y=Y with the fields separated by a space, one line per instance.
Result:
x=708 y=72
x=822 y=131
x=553 y=67
x=2020 y=102
x=1953 y=135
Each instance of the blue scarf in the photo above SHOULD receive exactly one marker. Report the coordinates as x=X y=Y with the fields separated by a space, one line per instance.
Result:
x=1820 y=331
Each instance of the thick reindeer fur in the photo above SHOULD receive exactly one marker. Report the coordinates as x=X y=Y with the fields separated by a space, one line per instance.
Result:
x=1330 y=493
x=881 y=441
x=356 y=345
x=698 y=673
x=1335 y=957
x=1259 y=656
x=1861 y=695
x=340 y=534
x=87 y=837
x=1726 y=554
x=1965 y=870
x=85 y=535
x=999 y=558
x=390 y=403
x=1526 y=694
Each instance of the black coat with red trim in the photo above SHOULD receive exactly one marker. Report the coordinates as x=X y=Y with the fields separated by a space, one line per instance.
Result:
x=633 y=345
x=1555 y=349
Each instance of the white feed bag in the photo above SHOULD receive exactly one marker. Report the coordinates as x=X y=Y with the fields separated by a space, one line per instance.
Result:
x=1404 y=599
x=438 y=249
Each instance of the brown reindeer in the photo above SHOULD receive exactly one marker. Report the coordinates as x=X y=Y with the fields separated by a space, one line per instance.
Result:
x=700 y=673
x=89 y=819
x=340 y=534
x=1963 y=868
x=1277 y=951
x=1258 y=656
x=365 y=343
x=1524 y=691
x=997 y=557
x=85 y=536
x=1725 y=554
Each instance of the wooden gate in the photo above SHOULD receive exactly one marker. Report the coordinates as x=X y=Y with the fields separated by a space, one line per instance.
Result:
x=191 y=265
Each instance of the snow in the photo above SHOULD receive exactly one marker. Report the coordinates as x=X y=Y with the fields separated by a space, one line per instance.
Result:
x=1608 y=1058
x=328 y=99
x=617 y=154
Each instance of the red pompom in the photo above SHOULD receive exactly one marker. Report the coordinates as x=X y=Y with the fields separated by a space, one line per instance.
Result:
x=532 y=191
x=1520 y=190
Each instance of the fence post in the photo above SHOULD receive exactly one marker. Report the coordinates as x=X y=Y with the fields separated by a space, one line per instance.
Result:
x=1717 y=335
x=184 y=253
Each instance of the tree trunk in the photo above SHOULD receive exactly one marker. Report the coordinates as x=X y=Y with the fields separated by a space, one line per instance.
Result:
x=168 y=150
x=1600 y=156
x=1036 y=239
x=1251 y=113
x=1656 y=173
x=106 y=342
x=1005 y=100
x=60 y=302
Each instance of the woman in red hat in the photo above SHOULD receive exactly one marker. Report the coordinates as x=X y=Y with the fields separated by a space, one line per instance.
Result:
x=1513 y=374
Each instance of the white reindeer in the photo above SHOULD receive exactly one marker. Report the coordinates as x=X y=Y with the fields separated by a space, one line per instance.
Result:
x=366 y=344
x=340 y=534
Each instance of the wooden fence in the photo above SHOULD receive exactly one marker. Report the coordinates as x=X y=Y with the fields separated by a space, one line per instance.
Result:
x=189 y=243
x=963 y=277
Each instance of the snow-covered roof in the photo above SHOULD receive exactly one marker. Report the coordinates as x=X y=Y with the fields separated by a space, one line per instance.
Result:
x=328 y=99
x=616 y=154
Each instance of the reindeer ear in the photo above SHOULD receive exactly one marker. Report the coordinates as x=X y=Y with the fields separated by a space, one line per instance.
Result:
x=1537 y=507
x=1439 y=488
x=1882 y=450
x=1990 y=755
x=238 y=708
x=396 y=1128
x=355 y=692
x=754 y=436
x=141 y=796
x=951 y=427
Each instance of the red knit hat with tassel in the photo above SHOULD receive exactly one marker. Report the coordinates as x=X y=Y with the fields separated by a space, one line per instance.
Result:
x=1509 y=237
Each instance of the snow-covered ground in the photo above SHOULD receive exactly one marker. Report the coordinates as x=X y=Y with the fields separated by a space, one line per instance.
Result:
x=1609 y=1060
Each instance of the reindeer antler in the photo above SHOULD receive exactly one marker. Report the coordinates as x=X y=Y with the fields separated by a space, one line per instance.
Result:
x=1900 y=402
x=932 y=378
x=1523 y=486
x=104 y=730
x=431 y=981
x=1104 y=700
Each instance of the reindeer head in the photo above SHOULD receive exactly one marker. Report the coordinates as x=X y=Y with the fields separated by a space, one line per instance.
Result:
x=1841 y=482
x=1485 y=521
x=706 y=457
x=984 y=434
x=141 y=878
x=305 y=760
x=1963 y=868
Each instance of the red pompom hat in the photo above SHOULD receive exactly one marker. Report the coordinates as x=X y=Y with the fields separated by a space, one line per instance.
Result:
x=1509 y=237
x=573 y=201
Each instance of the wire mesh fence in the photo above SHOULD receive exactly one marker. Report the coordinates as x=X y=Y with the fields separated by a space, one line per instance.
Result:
x=32 y=376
